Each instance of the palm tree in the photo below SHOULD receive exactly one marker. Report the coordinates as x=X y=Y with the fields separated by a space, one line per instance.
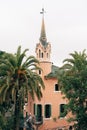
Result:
x=18 y=77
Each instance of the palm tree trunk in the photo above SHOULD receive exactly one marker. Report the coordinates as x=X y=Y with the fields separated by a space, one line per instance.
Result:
x=17 y=113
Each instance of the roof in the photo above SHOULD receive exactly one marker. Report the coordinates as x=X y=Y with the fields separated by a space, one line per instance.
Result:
x=53 y=73
x=43 y=38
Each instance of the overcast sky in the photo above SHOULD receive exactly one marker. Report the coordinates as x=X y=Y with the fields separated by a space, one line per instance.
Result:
x=65 y=24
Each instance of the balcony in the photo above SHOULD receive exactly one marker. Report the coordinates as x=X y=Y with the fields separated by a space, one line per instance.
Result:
x=35 y=121
x=38 y=120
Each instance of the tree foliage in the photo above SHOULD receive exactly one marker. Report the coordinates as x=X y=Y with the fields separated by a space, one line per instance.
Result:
x=18 y=77
x=73 y=83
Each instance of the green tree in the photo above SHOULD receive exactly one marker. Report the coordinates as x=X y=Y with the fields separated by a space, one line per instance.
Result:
x=73 y=83
x=18 y=77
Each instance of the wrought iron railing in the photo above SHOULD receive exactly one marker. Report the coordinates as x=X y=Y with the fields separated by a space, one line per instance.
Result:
x=38 y=120
x=26 y=123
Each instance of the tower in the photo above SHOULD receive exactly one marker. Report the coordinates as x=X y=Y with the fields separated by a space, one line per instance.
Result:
x=43 y=49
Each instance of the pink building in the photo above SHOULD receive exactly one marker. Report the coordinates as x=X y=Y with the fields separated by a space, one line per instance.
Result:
x=51 y=106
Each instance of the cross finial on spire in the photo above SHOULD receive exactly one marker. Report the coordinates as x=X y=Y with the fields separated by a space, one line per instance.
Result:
x=43 y=11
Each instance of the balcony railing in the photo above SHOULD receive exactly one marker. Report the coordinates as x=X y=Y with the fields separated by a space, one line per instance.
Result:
x=26 y=123
x=38 y=120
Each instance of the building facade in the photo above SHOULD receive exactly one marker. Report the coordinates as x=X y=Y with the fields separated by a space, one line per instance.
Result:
x=49 y=111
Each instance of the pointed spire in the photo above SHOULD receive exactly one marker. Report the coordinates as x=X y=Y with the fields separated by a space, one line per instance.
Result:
x=43 y=38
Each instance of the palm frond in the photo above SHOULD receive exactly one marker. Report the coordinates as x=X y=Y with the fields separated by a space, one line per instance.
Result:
x=18 y=53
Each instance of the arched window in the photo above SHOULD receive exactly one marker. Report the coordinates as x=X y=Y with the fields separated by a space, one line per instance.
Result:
x=39 y=71
x=42 y=55
x=39 y=53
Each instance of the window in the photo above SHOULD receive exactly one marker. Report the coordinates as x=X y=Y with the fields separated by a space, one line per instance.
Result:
x=42 y=54
x=70 y=128
x=39 y=71
x=47 y=55
x=39 y=53
x=34 y=109
x=62 y=110
x=47 y=111
x=56 y=87
x=38 y=110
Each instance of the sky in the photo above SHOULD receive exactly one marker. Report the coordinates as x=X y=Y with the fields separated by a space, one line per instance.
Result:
x=65 y=25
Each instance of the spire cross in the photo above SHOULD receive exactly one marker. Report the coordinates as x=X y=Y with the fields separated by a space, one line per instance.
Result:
x=42 y=12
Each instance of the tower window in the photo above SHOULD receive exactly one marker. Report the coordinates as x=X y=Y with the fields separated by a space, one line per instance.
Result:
x=42 y=55
x=39 y=71
x=39 y=53
x=47 y=55
x=47 y=111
